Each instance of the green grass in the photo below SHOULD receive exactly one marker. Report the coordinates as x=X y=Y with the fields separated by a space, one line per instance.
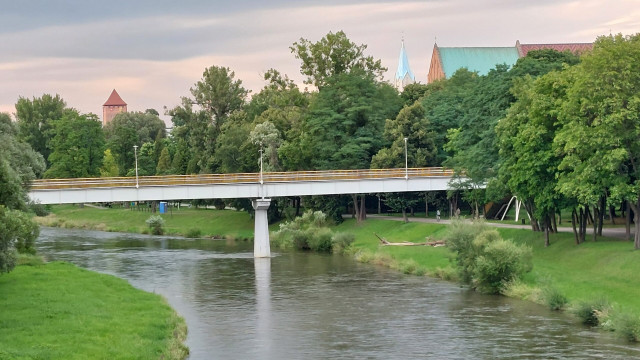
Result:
x=210 y=223
x=59 y=311
x=606 y=268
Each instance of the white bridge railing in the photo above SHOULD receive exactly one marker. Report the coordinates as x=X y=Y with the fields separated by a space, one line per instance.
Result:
x=238 y=178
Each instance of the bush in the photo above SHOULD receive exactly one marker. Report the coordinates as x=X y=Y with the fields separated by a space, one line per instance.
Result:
x=193 y=233
x=628 y=326
x=39 y=209
x=500 y=262
x=484 y=259
x=156 y=224
x=554 y=298
x=587 y=311
x=319 y=239
x=341 y=241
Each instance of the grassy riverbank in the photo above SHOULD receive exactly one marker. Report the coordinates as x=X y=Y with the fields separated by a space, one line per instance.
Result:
x=604 y=269
x=60 y=311
x=210 y=223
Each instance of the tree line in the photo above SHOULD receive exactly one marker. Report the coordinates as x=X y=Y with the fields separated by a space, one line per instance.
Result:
x=557 y=130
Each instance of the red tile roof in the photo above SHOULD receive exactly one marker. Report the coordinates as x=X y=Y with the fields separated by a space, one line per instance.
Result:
x=114 y=100
x=576 y=48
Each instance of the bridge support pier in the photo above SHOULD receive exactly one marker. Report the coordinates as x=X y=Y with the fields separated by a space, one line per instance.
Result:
x=261 y=247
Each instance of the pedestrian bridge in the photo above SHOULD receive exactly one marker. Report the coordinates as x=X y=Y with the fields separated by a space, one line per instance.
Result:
x=258 y=186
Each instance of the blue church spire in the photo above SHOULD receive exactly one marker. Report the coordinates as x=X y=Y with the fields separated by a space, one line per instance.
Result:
x=404 y=75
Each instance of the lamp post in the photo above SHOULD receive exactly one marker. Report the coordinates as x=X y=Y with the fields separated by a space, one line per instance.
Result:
x=135 y=151
x=406 y=160
x=261 y=179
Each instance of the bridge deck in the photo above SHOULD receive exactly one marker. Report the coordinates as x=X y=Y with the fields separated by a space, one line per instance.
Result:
x=207 y=179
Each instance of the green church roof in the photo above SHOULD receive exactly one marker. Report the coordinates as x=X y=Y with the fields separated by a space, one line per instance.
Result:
x=480 y=59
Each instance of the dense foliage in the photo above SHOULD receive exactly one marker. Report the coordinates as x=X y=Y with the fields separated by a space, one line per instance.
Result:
x=485 y=260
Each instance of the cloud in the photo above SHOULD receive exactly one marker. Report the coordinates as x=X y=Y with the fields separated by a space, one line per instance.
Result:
x=152 y=52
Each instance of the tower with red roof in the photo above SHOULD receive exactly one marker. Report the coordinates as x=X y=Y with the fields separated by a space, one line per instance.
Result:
x=113 y=106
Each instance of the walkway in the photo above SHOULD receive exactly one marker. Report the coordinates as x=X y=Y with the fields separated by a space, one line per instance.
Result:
x=618 y=232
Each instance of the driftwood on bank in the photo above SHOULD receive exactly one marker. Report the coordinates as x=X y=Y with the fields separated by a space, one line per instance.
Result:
x=385 y=242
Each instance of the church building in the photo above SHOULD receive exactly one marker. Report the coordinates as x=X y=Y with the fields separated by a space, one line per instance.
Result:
x=404 y=75
x=445 y=61
x=113 y=106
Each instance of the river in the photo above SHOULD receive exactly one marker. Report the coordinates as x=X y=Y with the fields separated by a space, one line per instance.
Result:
x=317 y=306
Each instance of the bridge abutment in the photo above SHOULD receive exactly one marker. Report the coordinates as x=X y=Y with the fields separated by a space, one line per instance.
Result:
x=261 y=246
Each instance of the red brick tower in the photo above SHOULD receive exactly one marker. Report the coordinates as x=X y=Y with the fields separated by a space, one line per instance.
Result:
x=113 y=106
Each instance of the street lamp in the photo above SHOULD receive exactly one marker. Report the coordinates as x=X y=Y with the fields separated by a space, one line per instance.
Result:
x=406 y=160
x=261 y=179
x=135 y=151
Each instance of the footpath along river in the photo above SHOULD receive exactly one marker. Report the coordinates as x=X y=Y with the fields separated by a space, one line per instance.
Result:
x=315 y=306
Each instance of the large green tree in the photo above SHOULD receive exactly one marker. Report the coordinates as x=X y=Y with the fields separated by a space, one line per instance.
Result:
x=129 y=129
x=600 y=122
x=219 y=93
x=332 y=55
x=36 y=118
x=78 y=146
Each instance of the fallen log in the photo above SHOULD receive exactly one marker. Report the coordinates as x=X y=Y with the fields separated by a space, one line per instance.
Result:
x=385 y=242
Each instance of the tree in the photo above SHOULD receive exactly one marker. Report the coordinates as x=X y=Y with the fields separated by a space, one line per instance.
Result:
x=332 y=55
x=78 y=146
x=36 y=120
x=411 y=123
x=267 y=138
x=27 y=163
x=219 y=93
x=400 y=202
x=129 y=129
x=109 y=166
x=600 y=122
x=164 y=163
x=414 y=92
x=343 y=127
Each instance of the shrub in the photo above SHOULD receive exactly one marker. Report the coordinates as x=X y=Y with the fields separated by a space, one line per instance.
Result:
x=39 y=209
x=628 y=326
x=484 y=259
x=193 y=233
x=319 y=239
x=341 y=241
x=460 y=240
x=554 y=299
x=587 y=311
x=156 y=224
x=500 y=261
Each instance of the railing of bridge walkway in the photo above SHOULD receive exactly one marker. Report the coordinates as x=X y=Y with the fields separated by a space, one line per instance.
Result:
x=207 y=179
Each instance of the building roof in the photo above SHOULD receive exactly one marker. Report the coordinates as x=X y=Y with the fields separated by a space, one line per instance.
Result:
x=480 y=59
x=114 y=100
x=576 y=48
x=403 y=66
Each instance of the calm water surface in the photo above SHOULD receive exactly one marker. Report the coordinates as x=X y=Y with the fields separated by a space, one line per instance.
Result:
x=310 y=306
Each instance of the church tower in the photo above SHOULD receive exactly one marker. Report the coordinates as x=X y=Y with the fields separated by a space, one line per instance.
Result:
x=113 y=106
x=404 y=75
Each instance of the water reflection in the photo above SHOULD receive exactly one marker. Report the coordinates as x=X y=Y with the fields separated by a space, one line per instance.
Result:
x=322 y=306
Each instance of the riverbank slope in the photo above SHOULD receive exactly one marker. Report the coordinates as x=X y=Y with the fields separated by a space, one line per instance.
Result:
x=59 y=311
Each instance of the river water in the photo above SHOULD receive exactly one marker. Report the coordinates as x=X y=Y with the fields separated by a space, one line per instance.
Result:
x=314 y=306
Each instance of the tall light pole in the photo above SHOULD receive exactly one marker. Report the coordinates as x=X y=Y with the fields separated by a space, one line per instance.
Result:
x=135 y=151
x=406 y=160
x=261 y=179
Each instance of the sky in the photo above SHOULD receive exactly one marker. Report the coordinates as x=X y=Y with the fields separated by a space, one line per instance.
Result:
x=153 y=51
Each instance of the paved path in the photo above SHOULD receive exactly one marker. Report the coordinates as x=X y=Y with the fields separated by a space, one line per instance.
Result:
x=619 y=233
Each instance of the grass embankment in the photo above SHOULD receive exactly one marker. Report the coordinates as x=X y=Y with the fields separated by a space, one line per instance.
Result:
x=60 y=311
x=210 y=223
x=607 y=268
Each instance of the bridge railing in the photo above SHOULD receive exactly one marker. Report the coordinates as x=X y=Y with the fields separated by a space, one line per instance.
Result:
x=271 y=177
